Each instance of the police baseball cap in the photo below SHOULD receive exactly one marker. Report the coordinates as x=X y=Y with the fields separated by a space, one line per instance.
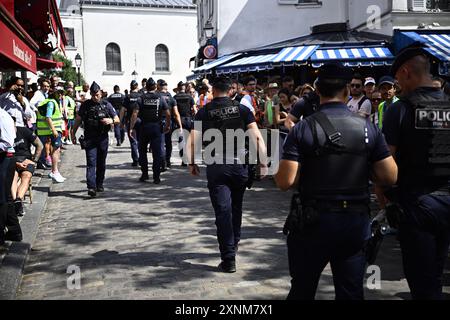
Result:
x=387 y=80
x=180 y=84
x=150 y=82
x=162 y=83
x=406 y=54
x=133 y=83
x=335 y=71
x=95 y=87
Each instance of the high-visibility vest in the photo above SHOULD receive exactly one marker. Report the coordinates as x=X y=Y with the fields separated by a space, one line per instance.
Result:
x=381 y=111
x=70 y=106
x=43 y=128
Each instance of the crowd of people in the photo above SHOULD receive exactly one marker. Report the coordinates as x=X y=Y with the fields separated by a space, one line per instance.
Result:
x=37 y=124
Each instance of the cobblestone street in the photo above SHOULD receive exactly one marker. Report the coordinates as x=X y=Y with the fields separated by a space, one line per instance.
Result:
x=141 y=241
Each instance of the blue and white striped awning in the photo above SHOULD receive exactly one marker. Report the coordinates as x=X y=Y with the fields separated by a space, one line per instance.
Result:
x=353 y=57
x=248 y=64
x=439 y=45
x=207 y=68
x=294 y=55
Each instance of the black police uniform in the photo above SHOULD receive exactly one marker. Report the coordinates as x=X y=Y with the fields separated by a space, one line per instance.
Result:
x=185 y=104
x=151 y=111
x=306 y=106
x=226 y=182
x=334 y=193
x=131 y=102
x=166 y=145
x=117 y=101
x=96 y=140
x=419 y=126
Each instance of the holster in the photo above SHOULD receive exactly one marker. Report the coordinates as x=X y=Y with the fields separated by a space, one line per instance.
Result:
x=251 y=175
x=300 y=216
x=394 y=214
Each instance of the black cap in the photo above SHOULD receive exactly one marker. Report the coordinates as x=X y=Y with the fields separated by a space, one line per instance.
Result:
x=162 y=83
x=387 y=79
x=406 y=54
x=180 y=84
x=95 y=87
x=150 y=82
x=335 y=71
x=133 y=83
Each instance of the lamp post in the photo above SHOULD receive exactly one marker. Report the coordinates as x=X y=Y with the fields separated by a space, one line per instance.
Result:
x=78 y=64
x=134 y=74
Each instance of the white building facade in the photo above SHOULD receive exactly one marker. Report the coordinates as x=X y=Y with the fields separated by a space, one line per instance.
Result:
x=121 y=41
x=245 y=24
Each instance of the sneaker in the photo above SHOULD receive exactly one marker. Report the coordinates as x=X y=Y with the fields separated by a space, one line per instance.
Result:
x=156 y=180
x=18 y=206
x=144 y=177
x=57 y=177
x=100 y=189
x=118 y=144
x=92 y=193
x=42 y=165
x=227 y=266
x=48 y=161
x=69 y=143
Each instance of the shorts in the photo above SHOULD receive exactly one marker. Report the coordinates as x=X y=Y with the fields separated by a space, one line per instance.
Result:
x=56 y=142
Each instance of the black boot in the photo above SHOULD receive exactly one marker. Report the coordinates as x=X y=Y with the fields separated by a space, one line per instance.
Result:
x=156 y=180
x=227 y=266
x=14 y=232
x=18 y=206
x=144 y=177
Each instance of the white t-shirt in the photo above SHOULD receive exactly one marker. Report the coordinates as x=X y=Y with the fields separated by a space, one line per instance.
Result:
x=7 y=132
x=366 y=107
x=247 y=102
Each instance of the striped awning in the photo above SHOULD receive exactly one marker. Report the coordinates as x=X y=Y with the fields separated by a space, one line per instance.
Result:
x=248 y=64
x=353 y=57
x=295 y=55
x=207 y=68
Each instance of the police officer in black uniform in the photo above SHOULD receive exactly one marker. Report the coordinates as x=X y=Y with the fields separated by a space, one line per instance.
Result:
x=130 y=104
x=97 y=117
x=329 y=221
x=226 y=180
x=151 y=109
x=303 y=108
x=185 y=105
x=117 y=101
x=417 y=129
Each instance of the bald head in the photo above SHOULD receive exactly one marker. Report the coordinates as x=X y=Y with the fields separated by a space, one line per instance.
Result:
x=419 y=66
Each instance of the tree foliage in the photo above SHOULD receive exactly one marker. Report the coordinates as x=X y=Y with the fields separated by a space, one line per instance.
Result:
x=68 y=71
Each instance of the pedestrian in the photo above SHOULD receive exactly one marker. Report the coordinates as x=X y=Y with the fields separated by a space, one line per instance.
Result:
x=417 y=131
x=305 y=107
x=185 y=106
x=15 y=103
x=9 y=223
x=359 y=102
x=228 y=177
x=388 y=96
x=130 y=104
x=151 y=109
x=70 y=106
x=117 y=100
x=331 y=209
x=50 y=128
x=369 y=86
x=97 y=116
x=144 y=85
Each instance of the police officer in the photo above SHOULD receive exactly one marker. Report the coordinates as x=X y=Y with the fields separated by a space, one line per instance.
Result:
x=227 y=177
x=97 y=117
x=130 y=104
x=117 y=101
x=417 y=129
x=176 y=120
x=151 y=109
x=334 y=150
x=303 y=108
x=185 y=105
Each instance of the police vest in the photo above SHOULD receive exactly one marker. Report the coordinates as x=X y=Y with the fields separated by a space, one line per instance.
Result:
x=336 y=169
x=224 y=115
x=116 y=100
x=424 y=150
x=184 y=104
x=95 y=113
x=43 y=129
x=70 y=105
x=150 y=110
x=132 y=103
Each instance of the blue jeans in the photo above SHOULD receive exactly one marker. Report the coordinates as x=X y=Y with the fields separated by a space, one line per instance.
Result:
x=150 y=133
x=424 y=236
x=339 y=238
x=96 y=153
x=226 y=184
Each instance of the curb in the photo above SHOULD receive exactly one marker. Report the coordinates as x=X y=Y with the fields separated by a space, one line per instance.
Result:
x=11 y=268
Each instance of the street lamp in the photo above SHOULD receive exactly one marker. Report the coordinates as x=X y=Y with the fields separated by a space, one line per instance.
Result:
x=209 y=30
x=134 y=74
x=78 y=64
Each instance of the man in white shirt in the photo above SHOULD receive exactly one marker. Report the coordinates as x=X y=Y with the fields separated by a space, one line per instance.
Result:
x=15 y=103
x=359 y=103
x=41 y=94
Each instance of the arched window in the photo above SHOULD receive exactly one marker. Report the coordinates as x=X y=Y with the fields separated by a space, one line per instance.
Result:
x=162 y=58
x=113 y=61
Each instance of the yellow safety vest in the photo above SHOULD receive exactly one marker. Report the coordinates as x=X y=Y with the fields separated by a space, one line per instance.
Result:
x=43 y=128
x=70 y=105
x=381 y=111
